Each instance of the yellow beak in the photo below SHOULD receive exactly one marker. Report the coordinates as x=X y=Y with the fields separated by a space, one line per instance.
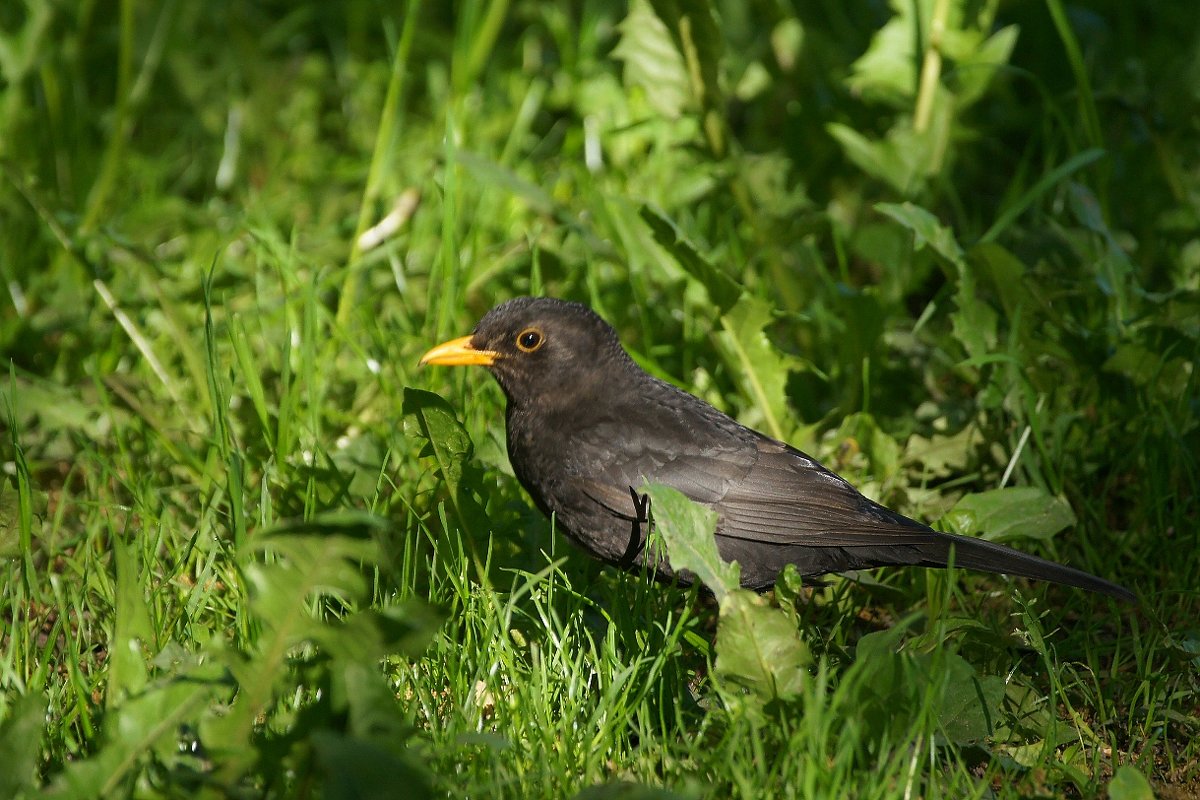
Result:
x=459 y=353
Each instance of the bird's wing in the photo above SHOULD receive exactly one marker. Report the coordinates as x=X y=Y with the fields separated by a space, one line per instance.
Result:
x=789 y=499
x=767 y=493
x=704 y=462
x=763 y=490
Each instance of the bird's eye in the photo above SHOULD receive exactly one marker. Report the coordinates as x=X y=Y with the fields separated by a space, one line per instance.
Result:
x=530 y=339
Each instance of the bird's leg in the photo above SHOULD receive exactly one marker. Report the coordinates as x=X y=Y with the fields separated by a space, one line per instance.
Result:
x=641 y=514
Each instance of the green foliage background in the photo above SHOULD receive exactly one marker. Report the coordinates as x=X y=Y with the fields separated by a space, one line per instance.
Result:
x=952 y=248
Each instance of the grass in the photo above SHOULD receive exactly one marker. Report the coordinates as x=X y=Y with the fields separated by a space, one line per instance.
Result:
x=249 y=548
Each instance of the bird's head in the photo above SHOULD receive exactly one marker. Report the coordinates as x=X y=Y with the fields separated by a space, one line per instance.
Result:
x=542 y=351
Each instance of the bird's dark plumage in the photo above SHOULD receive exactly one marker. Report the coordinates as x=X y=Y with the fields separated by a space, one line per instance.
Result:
x=587 y=427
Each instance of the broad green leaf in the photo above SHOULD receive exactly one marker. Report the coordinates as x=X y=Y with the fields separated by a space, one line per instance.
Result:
x=759 y=368
x=362 y=458
x=20 y=743
x=1029 y=754
x=361 y=769
x=768 y=178
x=1128 y=783
x=759 y=648
x=21 y=510
x=959 y=44
x=881 y=687
x=133 y=631
x=304 y=566
x=688 y=529
x=1137 y=363
x=368 y=700
x=723 y=290
x=693 y=25
x=55 y=408
x=787 y=42
x=485 y=170
x=652 y=60
x=1017 y=512
x=428 y=417
x=890 y=687
x=971 y=703
x=977 y=67
x=1003 y=273
x=1166 y=378
x=347 y=523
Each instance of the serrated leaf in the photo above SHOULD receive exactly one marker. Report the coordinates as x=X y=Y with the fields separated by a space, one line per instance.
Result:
x=344 y=522
x=652 y=60
x=887 y=71
x=882 y=451
x=897 y=160
x=722 y=290
x=759 y=368
x=927 y=230
x=688 y=530
x=363 y=693
x=369 y=635
x=759 y=648
x=146 y=723
x=697 y=36
x=430 y=419
x=1017 y=512
x=941 y=455
x=304 y=565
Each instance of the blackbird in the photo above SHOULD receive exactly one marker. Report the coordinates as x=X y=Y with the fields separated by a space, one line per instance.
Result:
x=587 y=427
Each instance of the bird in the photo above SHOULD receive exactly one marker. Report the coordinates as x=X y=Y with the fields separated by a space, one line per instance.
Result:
x=587 y=427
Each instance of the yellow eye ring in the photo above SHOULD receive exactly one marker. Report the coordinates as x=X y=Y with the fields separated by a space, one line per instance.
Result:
x=530 y=339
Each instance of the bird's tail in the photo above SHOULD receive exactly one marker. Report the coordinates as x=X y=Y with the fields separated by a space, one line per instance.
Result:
x=980 y=554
